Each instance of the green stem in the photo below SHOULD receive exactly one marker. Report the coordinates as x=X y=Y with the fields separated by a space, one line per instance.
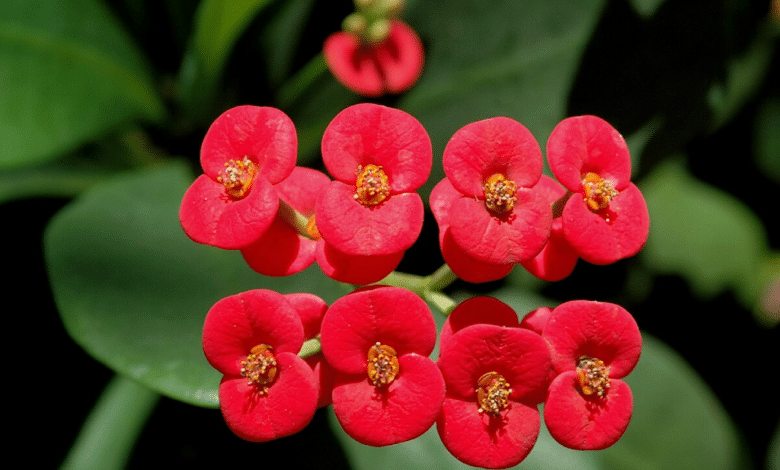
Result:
x=113 y=426
x=291 y=91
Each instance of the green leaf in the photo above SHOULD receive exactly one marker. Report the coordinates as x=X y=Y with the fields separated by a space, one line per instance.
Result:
x=68 y=73
x=646 y=8
x=479 y=65
x=133 y=290
x=767 y=139
x=703 y=234
x=218 y=24
x=677 y=423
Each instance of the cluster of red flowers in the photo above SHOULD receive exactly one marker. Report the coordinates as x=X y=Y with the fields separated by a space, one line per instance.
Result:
x=496 y=209
x=367 y=354
x=482 y=393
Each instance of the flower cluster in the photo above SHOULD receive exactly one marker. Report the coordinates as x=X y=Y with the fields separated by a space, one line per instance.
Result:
x=376 y=53
x=496 y=209
x=368 y=354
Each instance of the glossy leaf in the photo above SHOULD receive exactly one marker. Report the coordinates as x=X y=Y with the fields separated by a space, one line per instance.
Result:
x=703 y=234
x=133 y=290
x=68 y=73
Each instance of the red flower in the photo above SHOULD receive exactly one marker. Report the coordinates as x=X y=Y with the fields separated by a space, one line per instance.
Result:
x=267 y=391
x=246 y=151
x=606 y=218
x=378 y=156
x=355 y=269
x=557 y=259
x=499 y=217
x=312 y=310
x=392 y=65
x=494 y=376
x=464 y=266
x=387 y=389
x=593 y=346
x=282 y=250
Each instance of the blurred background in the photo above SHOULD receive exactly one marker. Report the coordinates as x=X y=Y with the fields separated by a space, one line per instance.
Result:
x=103 y=105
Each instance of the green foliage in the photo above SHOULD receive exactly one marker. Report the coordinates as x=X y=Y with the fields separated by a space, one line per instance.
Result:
x=68 y=74
x=133 y=290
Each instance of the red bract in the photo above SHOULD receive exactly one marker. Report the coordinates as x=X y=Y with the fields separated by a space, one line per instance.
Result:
x=312 y=310
x=378 y=156
x=390 y=66
x=464 y=266
x=499 y=218
x=477 y=310
x=606 y=218
x=246 y=151
x=267 y=391
x=282 y=250
x=387 y=389
x=355 y=269
x=557 y=259
x=593 y=345
x=494 y=376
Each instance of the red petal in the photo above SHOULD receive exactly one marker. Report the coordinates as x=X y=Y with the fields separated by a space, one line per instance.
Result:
x=556 y=260
x=520 y=355
x=536 y=319
x=483 y=148
x=400 y=58
x=466 y=267
x=209 y=216
x=287 y=408
x=584 y=144
x=353 y=65
x=390 y=315
x=311 y=310
x=236 y=324
x=494 y=240
x=477 y=310
x=599 y=330
x=351 y=227
x=404 y=411
x=280 y=251
x=369 y=133
x=443 y=196
x=355 y=269
x=301 y=188
x=481 y=441
x=588 y=423
x=265 y=135
x=325 y=376
x=600 y=242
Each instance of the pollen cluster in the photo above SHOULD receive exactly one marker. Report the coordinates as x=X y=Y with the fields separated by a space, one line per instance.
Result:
x=593 y=376
x=382 y=365
x=238 y=176
x=500 y=194
x=598 y=192
x=371 y=186
x=493 y=393
x=260 y=367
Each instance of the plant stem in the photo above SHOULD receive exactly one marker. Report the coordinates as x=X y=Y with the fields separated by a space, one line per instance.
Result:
x=113 y=426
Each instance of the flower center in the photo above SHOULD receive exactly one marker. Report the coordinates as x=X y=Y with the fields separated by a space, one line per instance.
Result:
x=493 y=393
x=311 y=229
x=371 y=186
x=593 y=376
x=499 y=194
x=238 y=177
x=260 y=367
x=382 y=364
x=598 y=192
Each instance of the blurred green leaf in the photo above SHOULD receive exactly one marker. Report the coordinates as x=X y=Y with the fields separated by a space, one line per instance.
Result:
x=646 y=8
x=479 y=65
x=218 y=24
x=767 y=138
x=68 y=73
x=133 y=290
x=703 y=234
x=281 y=37
x=677 y=423
x=773 y=454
